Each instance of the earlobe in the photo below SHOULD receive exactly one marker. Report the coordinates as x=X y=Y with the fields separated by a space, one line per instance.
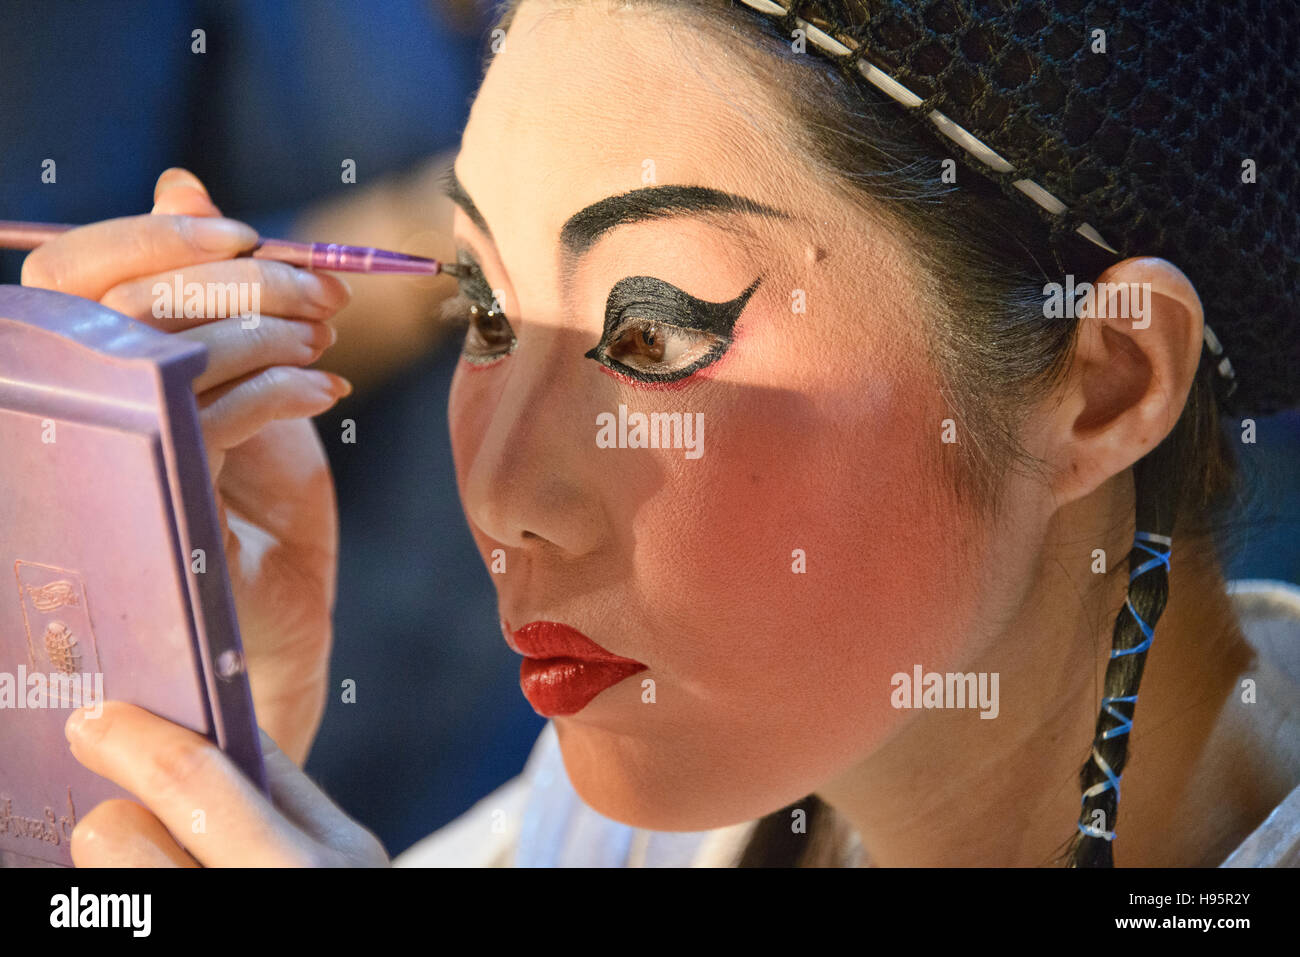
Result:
x=1137 y=349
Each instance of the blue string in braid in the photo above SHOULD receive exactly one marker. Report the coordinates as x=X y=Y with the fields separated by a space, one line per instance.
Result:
x=1160 y=556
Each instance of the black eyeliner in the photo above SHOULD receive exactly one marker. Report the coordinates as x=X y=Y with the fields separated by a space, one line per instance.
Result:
x=661 y=302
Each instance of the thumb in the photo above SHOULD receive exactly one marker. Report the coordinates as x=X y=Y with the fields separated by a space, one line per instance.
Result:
x=179 y=192
x=302 y=801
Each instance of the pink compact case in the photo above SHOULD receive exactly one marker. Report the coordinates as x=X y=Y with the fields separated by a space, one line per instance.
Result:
x=116 y=572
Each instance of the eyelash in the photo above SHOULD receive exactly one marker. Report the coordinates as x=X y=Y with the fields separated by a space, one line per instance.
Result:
x=487 y=329
x=471 y=308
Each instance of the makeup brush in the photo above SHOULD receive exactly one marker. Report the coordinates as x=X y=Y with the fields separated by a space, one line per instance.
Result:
x=330 y=257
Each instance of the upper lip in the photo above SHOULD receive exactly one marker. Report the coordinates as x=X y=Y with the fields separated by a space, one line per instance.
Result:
x=552 y=639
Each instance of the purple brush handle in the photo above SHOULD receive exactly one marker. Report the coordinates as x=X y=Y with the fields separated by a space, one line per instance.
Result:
x=337 y=258
x=329 y=256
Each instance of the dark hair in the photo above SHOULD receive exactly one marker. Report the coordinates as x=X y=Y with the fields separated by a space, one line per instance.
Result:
x=985 y=259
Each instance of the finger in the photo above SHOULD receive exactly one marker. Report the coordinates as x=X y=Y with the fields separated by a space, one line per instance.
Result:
x=301 y=463
x=298 y=797
x=183 y=200
x=180 y=192
x=218 y=290
x=234 y=351
x=121 y=833
x=232 y=414
x=177 y=773
x=177 y=176
x=90 y=260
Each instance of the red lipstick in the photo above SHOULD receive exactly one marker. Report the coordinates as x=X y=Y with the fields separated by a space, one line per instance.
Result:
x=563 y=669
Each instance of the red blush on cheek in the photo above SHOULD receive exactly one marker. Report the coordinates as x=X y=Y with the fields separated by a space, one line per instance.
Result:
x=857 y=495
x=470 y=406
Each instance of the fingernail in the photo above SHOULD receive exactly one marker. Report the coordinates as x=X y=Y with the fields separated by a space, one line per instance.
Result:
x=332 y=383
x=317 y=335
x=73 y=727
x=86 y=726
x=176 y=176
x=322 y=294
x=220 y=235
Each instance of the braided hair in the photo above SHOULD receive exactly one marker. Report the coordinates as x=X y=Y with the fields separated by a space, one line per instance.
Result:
x=1148 y=591
x=1161 y=485
x=986 y=256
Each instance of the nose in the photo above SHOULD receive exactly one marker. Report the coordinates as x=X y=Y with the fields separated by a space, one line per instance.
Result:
x=528 y=479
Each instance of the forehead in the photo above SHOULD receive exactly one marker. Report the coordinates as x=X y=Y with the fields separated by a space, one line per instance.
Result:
x=589 y=100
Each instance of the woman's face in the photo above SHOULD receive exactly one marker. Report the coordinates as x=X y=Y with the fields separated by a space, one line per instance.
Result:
x=792 y=549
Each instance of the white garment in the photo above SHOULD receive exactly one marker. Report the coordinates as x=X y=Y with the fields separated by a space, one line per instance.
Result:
x=537 y=820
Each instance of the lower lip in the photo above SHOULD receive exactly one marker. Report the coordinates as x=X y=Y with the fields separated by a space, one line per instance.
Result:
x=561 y=686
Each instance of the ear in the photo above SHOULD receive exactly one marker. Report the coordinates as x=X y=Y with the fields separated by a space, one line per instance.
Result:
x=1129 y=376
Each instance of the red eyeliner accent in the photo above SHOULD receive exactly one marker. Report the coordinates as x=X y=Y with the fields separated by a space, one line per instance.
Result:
x=704 y=374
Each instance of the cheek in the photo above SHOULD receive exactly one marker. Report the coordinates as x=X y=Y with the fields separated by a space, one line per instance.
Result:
x=803 y=560
x=470 y=403
x=459 y=426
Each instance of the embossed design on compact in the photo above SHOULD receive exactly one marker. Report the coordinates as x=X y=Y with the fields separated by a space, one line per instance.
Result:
x=61 y=648
x=48 y=828
x=59 y=637
x=52 y=596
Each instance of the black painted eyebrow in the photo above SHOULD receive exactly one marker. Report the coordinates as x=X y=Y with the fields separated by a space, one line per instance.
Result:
x=452 y=187
x=586 y=226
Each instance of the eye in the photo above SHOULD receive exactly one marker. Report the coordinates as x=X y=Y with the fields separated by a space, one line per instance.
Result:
x=657 y=348
x=488 y=336
x=655 y=332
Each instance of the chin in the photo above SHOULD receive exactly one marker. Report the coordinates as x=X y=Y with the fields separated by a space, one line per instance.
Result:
x=653 y=786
